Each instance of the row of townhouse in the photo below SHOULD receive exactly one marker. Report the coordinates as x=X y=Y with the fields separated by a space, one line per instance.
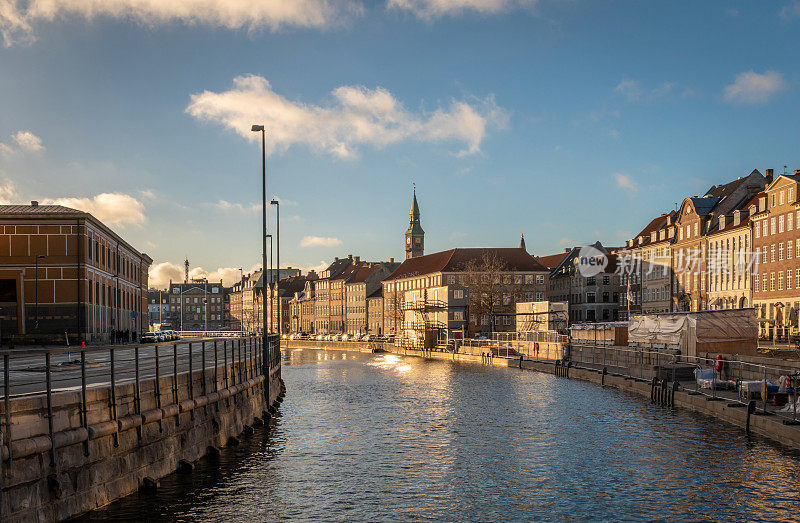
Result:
x=247 y=300
x=338 y=301
x=736 y=246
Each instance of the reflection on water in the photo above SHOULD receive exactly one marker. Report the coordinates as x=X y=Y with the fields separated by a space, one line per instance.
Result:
x=365 y=437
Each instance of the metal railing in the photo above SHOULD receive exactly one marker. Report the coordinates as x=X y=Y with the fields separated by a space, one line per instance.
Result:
x=212 y=334
x=732 y=380
x=47 y=371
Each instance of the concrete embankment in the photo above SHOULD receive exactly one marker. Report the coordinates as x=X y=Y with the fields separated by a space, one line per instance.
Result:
x=125 y=439
x=735 y=413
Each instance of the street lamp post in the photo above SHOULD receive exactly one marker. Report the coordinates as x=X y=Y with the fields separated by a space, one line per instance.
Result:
x=277 y=205
x=257 y=128
x=36 y=291
x=269 y=276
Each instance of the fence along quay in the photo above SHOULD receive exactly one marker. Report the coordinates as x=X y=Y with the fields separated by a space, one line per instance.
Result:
x=84 y=427
x=732 y=394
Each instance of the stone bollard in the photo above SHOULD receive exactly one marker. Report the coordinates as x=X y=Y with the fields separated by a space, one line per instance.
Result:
x=149 y=485
x=185 y=467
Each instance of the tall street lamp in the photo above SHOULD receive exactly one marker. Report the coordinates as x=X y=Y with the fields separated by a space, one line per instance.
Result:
x=269 y=276
x=277 y=205
x=36 y=291
x=257 y=128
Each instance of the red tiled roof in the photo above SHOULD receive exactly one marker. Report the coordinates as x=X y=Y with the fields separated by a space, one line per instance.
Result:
x=553 y=260
x=454 y=260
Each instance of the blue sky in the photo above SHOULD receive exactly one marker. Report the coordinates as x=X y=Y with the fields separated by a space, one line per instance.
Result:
x=570 y=121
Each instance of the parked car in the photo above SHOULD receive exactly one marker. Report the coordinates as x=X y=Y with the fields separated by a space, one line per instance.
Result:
x=148 y=337
x=366 y=337
x=344 y=337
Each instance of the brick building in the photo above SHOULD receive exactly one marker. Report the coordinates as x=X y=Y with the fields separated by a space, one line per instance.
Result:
x=64 y=271
x=775 y=218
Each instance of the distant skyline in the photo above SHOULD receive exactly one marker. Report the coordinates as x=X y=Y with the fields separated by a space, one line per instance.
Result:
x=569 y=121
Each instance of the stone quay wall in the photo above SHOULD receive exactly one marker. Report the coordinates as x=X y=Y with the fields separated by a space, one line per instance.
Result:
x=86 y=466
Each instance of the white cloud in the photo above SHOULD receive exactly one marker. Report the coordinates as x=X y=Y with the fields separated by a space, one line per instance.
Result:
x=753 y=88
x=624 y=181
x=357 y=116
x=26 y=141
x=319 y=241
x=791 y=11
x=321 y=266
x=631 y=89
x=228 y=275
x=431 y=9
x=18 y=17
x=226 y=206
x=634 y=91
x=162 y=273
x=110 y=208
x=8 y=193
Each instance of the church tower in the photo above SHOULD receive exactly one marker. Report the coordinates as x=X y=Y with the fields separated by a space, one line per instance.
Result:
x=415 y=236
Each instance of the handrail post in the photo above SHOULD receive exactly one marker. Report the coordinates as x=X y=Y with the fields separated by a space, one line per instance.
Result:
x=50 y=409
x=190 y=379
x=7 y=391
x=203 y=360
x=114 y=394
x=225 y=363
x=137 y=392
x=84 y=415
x=157 y=388
x=175 y=381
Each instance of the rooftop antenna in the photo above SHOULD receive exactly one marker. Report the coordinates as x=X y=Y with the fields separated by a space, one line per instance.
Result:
x=784 y=169
x=186 y=270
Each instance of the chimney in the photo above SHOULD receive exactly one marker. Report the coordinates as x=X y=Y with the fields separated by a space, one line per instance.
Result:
x=358 y=259
x=566 y=250
x=797 y=171
x=350 y=256
x=336 y=259
x=34 y=203
x=737 y=217
x=721 y=221
x=770 y=175
x=391 y=260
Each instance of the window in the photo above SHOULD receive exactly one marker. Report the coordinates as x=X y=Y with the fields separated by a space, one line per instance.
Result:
x=540 y=296
x=772 y=253
x=605 y=297
x=540 y=279
x=458 y=316
x=780 y=251
x=757 y=229
x=780 y=223
x=458 y=295
x=606 y=280
x=756 y=281
x=590 y=297
x=772 y=281
x=680 y=233
x=780 y=281
x=789 y=195
x=764 y=282
x=780 y=199
x=789 y=221
x=772 y=225
x=772 y=200
x=696 y=228
x=788 y=280
x=789 y=250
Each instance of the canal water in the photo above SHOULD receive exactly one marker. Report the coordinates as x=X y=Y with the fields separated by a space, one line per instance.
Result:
x=383 y=437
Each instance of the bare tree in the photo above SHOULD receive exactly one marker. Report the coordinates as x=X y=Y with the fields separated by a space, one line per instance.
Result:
x=493 y=288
